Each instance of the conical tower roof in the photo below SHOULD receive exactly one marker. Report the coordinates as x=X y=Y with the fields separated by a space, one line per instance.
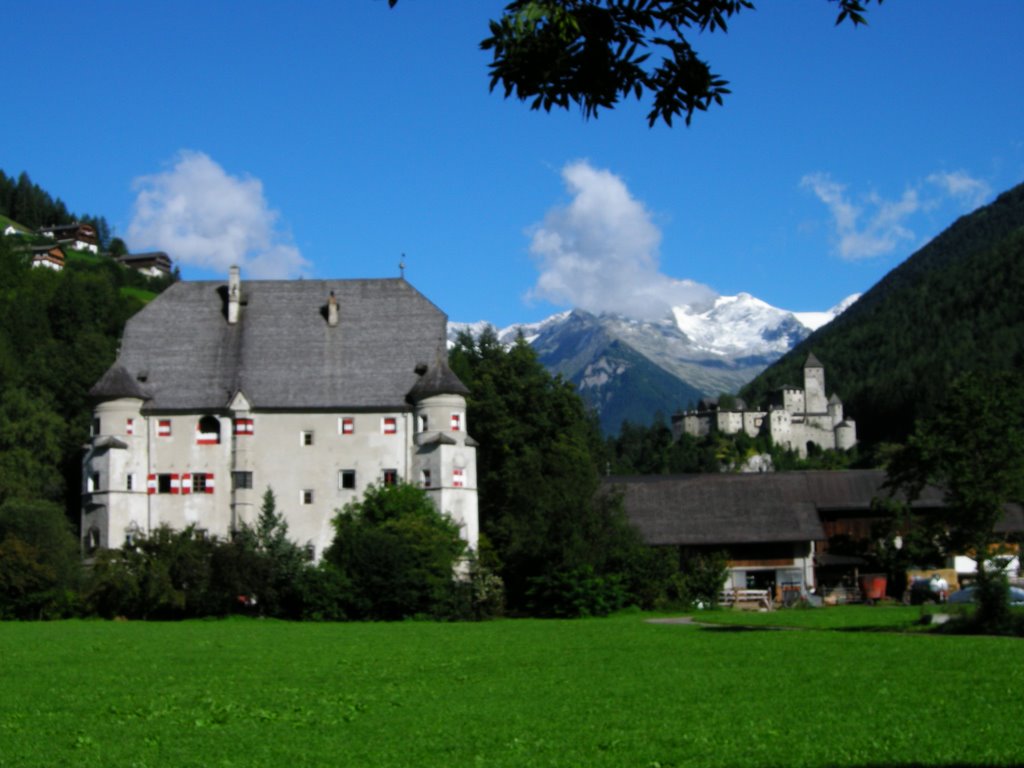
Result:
x=117 y=383
x=438 y=379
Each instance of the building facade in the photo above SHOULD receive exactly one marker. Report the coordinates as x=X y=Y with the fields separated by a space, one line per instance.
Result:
x=313 y=388
x=797 y=417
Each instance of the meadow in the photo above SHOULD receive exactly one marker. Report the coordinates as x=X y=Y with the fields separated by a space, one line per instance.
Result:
x=620 y=691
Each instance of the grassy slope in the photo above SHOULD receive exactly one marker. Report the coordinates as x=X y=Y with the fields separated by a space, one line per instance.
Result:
x=594 y=692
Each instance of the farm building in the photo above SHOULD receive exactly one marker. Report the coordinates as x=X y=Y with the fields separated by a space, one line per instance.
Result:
x=775 y=527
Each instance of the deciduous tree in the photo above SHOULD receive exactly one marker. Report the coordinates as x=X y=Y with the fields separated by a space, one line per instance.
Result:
x=594 y=53
x=973 y=449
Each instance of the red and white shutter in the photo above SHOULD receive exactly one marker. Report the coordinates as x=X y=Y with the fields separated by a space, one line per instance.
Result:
x=209 y=482
x=129 y=427
x=163 y=428
x=151 y=484
x=186 y=483
x=458 y=477
x=205 y=438
x=390 y=425
x=456 y=422
x=243 y=426
x=175 y=483
x=348 y=426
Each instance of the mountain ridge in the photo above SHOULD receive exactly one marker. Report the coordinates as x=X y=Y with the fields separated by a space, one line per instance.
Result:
x=631 y=369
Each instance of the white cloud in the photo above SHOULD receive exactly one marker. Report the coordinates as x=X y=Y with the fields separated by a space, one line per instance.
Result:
x=959 y=184
x=600 y=252
x=204 y=217
x=874 y=226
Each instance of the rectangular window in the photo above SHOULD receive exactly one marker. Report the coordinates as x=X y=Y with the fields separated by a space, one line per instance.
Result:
x=390 y=476
x=96 y=427
x=456 y=422
x=94 y=482
x=163 y=428
x=347 y=479
x=425 y=478
x=165 y=483
x=346 y=425
x=241 y=480
x=129 y=482
x=306 y=437
x=306 y=496
x=389 y=425
x=458 y=477
x=199 y=482
x=244 y=426
x=129 y=426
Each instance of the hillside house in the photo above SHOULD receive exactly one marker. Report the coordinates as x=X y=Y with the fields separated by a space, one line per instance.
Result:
x=47 y=257
x=78 y=237
x=153 y=264
x=797 y=418
x=314 y=388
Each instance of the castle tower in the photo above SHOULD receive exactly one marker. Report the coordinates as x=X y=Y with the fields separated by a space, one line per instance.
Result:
x=444 y=464
x=814 y=386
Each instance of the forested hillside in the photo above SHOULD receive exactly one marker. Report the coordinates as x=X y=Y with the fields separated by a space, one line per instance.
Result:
x=31 y=206
x=59 y=332
x=953 y=307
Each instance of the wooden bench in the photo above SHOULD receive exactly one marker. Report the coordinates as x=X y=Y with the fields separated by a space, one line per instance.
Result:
x=746 y=598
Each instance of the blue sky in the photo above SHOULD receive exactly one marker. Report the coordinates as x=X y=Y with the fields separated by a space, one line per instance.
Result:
x=326 y=139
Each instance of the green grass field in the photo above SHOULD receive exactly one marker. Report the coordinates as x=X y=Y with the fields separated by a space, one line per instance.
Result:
x=607 y=692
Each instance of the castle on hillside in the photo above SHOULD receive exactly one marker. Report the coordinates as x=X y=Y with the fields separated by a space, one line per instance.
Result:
x=795 y=419
x=314 y=388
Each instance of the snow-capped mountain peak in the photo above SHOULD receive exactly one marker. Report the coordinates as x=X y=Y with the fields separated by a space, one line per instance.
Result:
x=740 y=325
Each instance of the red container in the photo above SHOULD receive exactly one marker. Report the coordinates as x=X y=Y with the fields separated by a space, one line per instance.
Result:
x=873 y=585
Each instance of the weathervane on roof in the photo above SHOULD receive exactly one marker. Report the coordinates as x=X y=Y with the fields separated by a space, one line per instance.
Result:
x=401 y=267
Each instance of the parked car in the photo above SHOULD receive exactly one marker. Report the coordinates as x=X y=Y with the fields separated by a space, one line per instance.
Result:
x=934 y=589
x=966 y=595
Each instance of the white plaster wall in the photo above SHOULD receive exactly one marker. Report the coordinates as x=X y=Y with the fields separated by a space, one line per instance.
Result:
x=277 y=456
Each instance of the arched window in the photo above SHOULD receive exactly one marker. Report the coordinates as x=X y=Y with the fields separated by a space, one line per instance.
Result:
x=208 y=431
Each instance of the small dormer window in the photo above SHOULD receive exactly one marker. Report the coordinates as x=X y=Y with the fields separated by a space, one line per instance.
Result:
x=456 y=422
x=244 y=427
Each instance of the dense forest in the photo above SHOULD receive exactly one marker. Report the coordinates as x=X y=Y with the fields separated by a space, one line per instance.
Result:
x=31 y=206
x=953 y=307
x=59 y=332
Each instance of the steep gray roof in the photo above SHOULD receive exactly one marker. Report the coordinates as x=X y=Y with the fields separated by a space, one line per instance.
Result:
x=282 y=353
x=813 y=362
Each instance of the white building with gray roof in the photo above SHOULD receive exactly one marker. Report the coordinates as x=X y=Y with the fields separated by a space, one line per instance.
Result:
x=314 y=388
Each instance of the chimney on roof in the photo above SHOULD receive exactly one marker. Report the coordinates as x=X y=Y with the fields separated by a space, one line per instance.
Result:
x=332 y=310
x=234 y=293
